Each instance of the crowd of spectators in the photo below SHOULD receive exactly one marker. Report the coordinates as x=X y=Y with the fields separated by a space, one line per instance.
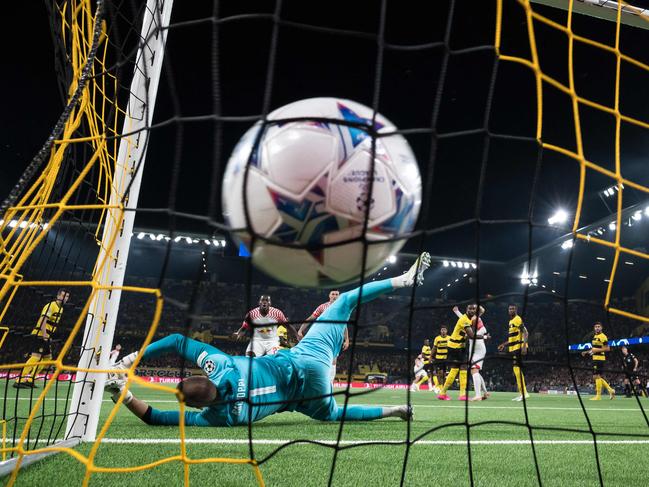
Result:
x=385 y=330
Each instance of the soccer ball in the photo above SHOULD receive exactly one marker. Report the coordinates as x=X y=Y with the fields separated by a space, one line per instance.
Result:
x=307 y=186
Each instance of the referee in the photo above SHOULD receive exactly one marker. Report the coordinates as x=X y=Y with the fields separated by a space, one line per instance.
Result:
x=631 y=379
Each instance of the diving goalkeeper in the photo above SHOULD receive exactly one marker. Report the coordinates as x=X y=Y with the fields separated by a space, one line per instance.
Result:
x=297 y=379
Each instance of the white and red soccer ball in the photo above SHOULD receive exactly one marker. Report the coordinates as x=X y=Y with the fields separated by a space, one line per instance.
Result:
x=307 y=186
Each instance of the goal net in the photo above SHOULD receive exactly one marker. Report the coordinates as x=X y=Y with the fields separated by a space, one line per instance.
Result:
x=513 y=109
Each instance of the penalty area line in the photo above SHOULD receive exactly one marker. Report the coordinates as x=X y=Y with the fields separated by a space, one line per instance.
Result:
x=233 y=441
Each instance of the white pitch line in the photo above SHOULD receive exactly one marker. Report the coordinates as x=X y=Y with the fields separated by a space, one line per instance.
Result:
x=226 y=441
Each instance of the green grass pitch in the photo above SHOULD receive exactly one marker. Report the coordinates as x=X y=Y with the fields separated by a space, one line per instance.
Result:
x=501 y=454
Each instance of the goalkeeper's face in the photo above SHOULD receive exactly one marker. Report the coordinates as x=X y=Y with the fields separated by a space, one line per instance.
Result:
x=198 y=391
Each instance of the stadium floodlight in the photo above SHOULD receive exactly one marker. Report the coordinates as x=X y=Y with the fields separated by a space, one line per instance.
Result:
x=475 y=266
x=13 y=223
x=159 y=237
x=453 y=264
x=646 y=211
x=151 y=236
x=466 y=265
x=459 y=264
x=445 y=263
x=560 y=216
x=637 y=216
x=567 y=244
x=612 y=226
x=392 y=259
x=223 y=243
x=140 y=235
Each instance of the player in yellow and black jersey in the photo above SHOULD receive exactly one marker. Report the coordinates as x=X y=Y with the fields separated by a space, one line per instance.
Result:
x=282 y=334
x=440 y=355
x=598 y=353
x=516 y=345
x=457 y=356
x=40 y=338
x=427 y=357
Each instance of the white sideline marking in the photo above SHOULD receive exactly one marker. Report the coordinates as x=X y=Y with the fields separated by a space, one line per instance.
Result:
x=233 y=441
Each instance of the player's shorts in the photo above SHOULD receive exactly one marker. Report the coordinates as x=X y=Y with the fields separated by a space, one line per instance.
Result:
x=516 y=357
x=456 y=357
x=421 y=374
x=262 y=347
x=429 y=368
x=39 y=345
x=598 y=366
x=477 y=356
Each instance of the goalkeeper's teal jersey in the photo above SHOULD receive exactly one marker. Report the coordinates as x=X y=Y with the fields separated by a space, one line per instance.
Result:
x=291 y=380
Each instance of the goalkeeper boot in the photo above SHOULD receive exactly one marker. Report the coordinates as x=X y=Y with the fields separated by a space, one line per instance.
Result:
x=404 y=412
x=415 y=275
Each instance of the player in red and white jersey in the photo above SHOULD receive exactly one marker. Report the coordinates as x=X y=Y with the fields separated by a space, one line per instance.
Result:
x=304 y=328
x=263 y=320
x=477 y=353
x=421 y=375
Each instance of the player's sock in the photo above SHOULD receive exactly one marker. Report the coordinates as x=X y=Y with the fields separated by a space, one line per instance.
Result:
x=40 y=367
x=627 y=390
x=450 y=378
x=608 y=387
x=421 y=381
x=477 y=386
x=414 y=275
x=463 y=381
x=436 y=381
x=30 y=367
x=520 y=381
x=598 y=387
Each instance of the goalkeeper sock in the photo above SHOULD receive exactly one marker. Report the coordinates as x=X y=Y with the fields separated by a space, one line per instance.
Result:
x=463 y=381
x=449 y=380
x=598 y=387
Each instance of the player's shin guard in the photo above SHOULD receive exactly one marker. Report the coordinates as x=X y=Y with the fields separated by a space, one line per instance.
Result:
x=449 y=380
x=463 y=381
x=520 y=381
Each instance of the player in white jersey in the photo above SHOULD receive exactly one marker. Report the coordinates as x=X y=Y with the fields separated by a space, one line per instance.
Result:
x=421 y=375
x=304 y=328
x=263 y=320
x=477 y=353
x=114 y=354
